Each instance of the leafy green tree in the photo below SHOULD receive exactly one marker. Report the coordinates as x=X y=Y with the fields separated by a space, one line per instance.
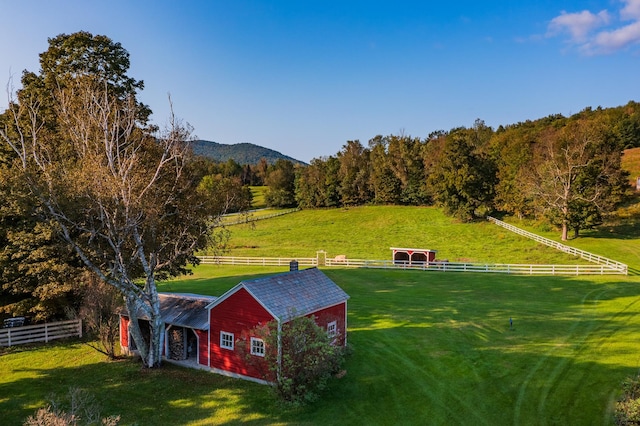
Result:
x=386 y=186
x=225 y=194
x=577 y=175
x=123 y=199
x=460 y=179
x=354 y=174
x=405 y=159
x=281 y=182
x=39 y=276
x=310 y=185
x=512 y=154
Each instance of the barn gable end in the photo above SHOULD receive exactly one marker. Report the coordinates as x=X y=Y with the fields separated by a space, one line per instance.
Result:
x=235 y=314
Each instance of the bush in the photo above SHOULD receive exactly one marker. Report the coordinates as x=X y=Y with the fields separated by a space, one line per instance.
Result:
x=80 y=409
x=628 y=406
x=308 y=358
x=100 y=302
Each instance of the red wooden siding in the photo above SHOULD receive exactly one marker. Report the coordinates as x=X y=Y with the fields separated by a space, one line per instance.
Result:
x=203 y=347
x=333 y=313
x=239 y=313
x=124 y=332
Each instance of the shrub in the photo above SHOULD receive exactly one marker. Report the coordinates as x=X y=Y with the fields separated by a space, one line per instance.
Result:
x=628 y=406
x=79 y=409
x=307 y=360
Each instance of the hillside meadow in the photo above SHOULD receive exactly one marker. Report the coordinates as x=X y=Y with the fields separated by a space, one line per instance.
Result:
x=427 y=347
x=369 y=232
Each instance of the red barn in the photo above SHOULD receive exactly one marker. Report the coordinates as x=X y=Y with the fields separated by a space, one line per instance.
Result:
x=206 y=331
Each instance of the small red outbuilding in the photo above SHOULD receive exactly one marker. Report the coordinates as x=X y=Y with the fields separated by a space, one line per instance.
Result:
x=206 y=330
x=413 y=256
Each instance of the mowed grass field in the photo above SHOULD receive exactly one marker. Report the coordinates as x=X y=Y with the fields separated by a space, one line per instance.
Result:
x=427 y=347
x=369 y=233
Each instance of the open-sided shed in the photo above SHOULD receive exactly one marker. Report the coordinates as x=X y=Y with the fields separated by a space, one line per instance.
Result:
x=413 y=256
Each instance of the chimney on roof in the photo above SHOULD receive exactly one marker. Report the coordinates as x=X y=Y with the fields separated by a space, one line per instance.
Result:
x=293 y=265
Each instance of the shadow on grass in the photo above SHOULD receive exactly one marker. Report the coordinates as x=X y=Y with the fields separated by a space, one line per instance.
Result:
x=443 y=348
x=168 y=395
x=628 y=230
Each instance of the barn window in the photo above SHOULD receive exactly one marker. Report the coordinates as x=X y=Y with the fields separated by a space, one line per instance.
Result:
x=257 y=346
x=332 y=329
x=226 y=340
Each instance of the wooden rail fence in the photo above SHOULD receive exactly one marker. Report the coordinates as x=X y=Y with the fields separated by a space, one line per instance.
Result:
x=258 y=261
x=250 y=218
x=40 y=333
x=599 y=265
x=521 y=269
x=589 y=257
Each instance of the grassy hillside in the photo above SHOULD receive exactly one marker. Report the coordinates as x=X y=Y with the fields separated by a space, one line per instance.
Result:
x=631 y=163
x=369 y=232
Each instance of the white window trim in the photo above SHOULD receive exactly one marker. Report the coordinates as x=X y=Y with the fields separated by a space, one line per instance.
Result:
x=332 y=329
x=224 y=342
x=254 y=341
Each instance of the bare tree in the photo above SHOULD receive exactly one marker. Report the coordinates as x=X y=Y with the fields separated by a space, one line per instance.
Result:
x=576 y=166
x=124 y=199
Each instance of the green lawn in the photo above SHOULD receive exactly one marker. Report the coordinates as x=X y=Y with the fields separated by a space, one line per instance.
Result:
x=428 y=347
x=369 y=232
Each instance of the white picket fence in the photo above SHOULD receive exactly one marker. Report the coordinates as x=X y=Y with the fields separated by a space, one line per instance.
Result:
x=40 y=333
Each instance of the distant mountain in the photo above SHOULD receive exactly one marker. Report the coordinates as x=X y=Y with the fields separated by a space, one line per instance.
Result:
x=241 y=153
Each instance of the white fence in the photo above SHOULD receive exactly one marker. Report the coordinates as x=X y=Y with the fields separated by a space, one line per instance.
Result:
x=423 y=266
x=257 y=261
x=479 y=267
x=40 y=333
x=620 y=267
x=600 y=265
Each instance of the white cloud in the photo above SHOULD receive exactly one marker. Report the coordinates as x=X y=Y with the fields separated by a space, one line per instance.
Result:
x=631 y=11
x=579 y=25
x=593 y=34
x=610 y=41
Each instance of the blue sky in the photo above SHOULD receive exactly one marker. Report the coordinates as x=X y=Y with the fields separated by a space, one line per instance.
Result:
x=303 y=77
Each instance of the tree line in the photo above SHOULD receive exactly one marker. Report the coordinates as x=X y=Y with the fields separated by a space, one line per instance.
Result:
x=566 y=170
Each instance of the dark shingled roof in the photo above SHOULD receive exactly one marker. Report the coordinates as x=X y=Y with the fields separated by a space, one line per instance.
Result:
x=185 y=310
x=295 y=293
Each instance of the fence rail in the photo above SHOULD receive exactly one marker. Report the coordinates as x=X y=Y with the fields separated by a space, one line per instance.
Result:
x=589 y=257
x=40 y=332
x=521 y=269
x=250 y=218
x=257 y=261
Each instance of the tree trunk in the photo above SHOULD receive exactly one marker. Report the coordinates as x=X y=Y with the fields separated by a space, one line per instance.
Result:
x=150 y=350
x=565 y=231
